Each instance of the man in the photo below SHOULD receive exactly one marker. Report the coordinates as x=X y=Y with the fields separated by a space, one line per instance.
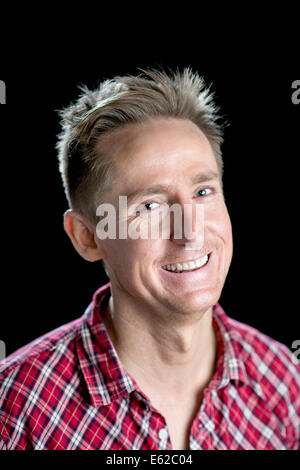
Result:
x=154 y=362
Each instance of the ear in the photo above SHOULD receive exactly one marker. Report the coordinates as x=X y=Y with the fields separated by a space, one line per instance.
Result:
x=82 y=234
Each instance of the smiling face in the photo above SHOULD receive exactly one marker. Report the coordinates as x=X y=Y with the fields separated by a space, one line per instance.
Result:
x=173 y=160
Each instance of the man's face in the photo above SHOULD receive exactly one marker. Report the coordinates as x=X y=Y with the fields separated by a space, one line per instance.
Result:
x=169 y=152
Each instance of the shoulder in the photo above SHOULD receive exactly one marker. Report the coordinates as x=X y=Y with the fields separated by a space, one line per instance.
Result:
x=269 y=363
x=35 y=379
x=55 y=342
x=257 y=347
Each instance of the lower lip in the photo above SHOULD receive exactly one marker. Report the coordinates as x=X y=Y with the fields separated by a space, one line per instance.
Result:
x=195 y=274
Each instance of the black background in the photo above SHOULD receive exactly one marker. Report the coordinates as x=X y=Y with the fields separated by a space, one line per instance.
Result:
x=45 y=283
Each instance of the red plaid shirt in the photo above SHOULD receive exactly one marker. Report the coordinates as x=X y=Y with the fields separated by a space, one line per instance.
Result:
x=68 y=390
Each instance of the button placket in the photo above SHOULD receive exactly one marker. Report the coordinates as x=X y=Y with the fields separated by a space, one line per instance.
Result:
x=163 y=434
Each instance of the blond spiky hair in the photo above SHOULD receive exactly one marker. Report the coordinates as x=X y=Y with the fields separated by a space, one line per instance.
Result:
x=86 y=171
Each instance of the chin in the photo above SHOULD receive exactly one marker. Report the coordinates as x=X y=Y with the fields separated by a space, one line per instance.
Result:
x=195 y=302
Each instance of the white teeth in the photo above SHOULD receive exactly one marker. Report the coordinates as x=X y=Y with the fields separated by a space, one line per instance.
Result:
x=198 y=263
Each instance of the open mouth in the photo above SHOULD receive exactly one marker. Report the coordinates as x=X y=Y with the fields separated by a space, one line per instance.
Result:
x=188 y=266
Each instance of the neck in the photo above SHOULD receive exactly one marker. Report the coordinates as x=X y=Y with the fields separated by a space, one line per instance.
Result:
x=163 y=354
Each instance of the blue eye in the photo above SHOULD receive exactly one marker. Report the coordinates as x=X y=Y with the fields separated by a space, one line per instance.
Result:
x=149 y=204
x=205 y=192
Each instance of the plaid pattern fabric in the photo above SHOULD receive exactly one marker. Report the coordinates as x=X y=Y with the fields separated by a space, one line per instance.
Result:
x=68 y=390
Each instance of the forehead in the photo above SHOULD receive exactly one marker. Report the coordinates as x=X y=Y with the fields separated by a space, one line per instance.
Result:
x=159 y=148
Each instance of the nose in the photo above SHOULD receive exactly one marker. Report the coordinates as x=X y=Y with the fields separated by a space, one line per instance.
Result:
x=187 y=226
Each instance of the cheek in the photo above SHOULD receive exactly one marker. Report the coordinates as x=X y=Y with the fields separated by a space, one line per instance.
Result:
x=115 y=254
x=226 y=223
x=127 y=256
x=225 y=226
x=229 y=240
x=218 y=222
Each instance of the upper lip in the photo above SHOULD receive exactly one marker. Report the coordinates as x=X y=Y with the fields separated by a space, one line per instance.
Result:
x=186 y=261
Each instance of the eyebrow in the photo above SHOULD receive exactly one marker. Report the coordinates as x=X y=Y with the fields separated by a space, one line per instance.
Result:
x=164 y=188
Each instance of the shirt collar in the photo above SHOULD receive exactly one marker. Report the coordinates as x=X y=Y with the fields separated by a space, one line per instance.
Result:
x=103 y=372
x=230 y=365
x=106 y=378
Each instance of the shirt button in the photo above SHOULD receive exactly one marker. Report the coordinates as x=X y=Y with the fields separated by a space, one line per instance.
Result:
x=163 y=434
